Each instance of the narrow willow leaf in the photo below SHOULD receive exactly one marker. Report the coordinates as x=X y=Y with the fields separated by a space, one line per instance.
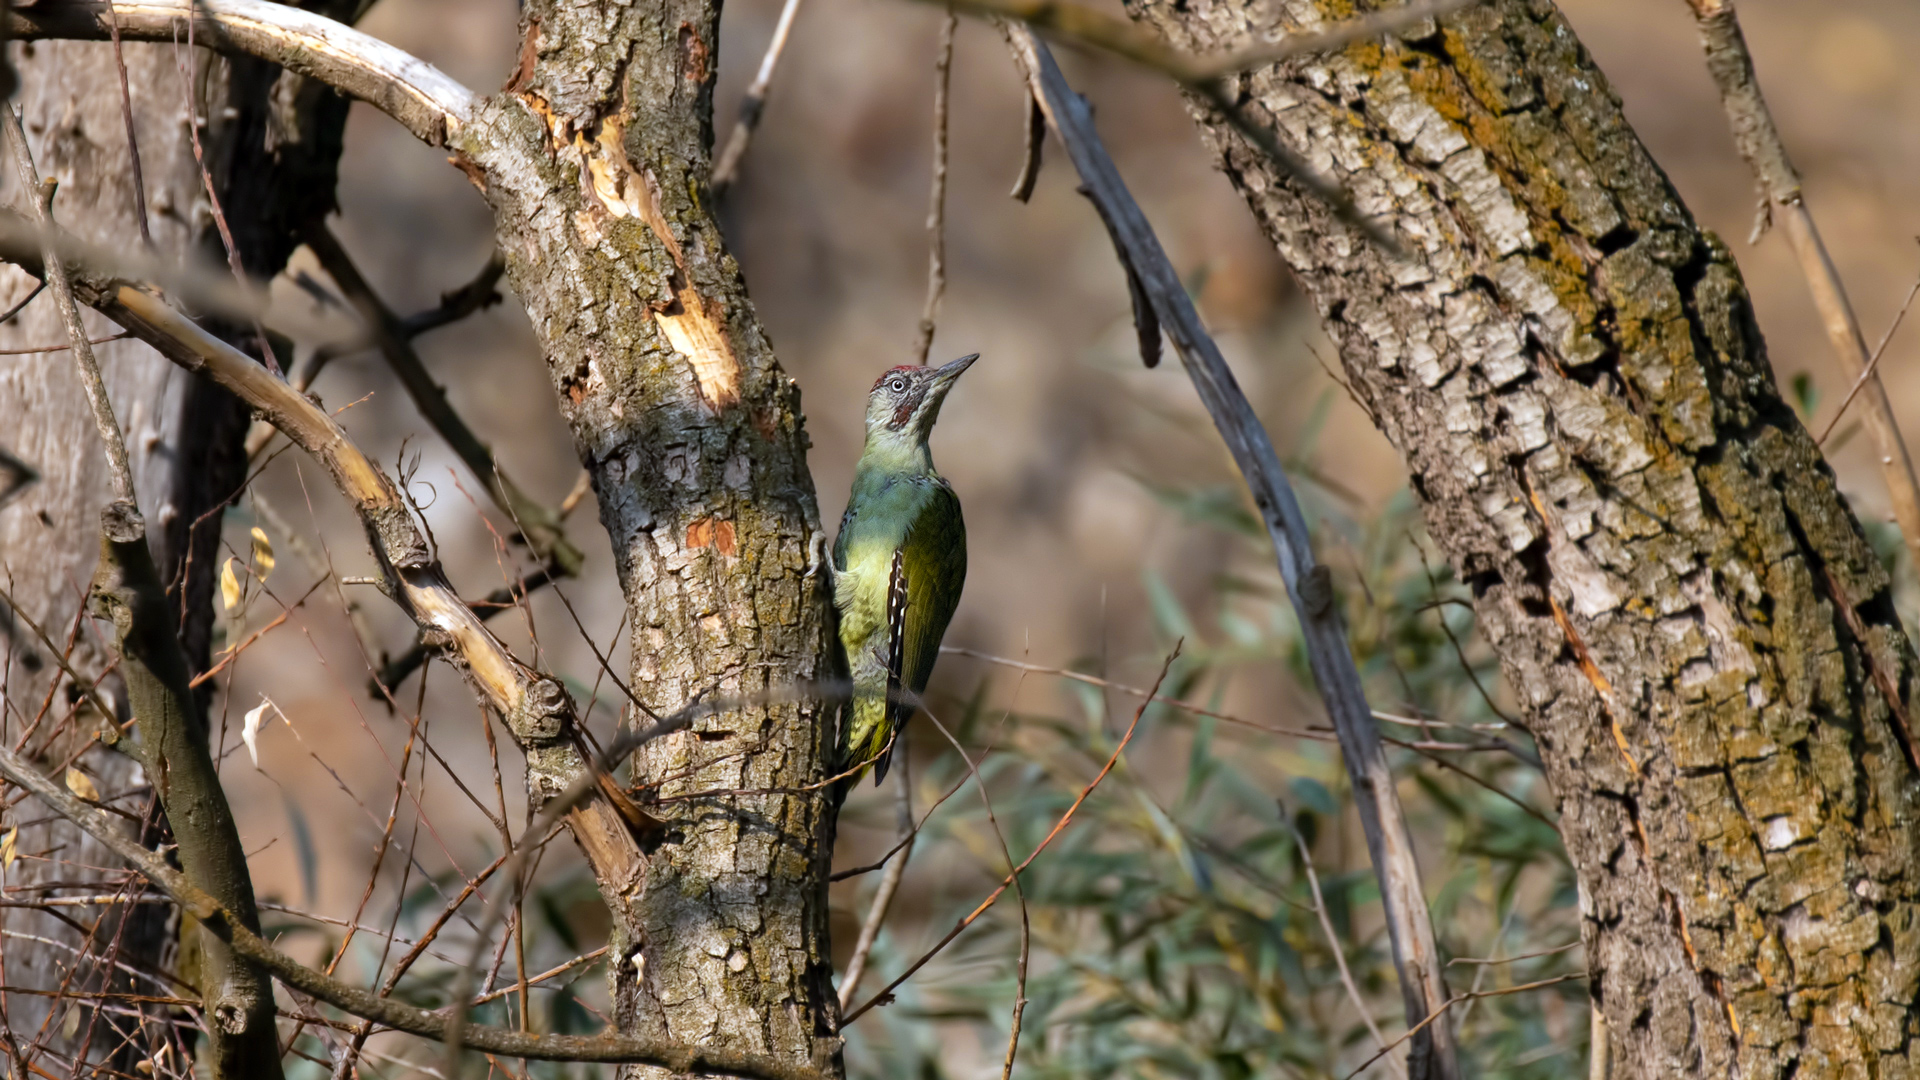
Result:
x=262 y=553
x=9 y=847
x=229 y=586
x=79 y=783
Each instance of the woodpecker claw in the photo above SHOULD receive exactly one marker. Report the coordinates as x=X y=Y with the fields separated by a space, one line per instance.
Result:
x=817 y=555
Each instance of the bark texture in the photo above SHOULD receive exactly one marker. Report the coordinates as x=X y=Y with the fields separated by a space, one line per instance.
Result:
x=1703 y=641
x=595 y=159
x=272 y=142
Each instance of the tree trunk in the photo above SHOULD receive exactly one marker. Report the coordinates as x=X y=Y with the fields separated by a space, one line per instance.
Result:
x=1703 y=642
x=595 y=160
x=272 y=141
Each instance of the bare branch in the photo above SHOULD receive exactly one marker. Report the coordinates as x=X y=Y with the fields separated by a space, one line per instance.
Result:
x=937 y=196
x=1873 y=364
x=1326 y=927
x=422 y=98
x=133 y=141
x=1309 y=585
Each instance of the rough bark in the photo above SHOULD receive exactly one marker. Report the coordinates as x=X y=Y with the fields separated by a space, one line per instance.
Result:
x=595 y=159
x=1702 y=640
x=272 y=142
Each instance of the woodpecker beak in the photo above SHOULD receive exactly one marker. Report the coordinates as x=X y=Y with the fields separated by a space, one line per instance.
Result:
x=946 y=373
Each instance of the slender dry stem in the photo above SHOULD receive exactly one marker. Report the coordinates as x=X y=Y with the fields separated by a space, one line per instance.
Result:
x=937 y=194
x=726 y=168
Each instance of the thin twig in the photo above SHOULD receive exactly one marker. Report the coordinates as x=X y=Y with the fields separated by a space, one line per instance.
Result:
x=889 y=882
x=40 y=197
x=133 y=141
x=1326 y=927
x=937 y=194
x=21 y=306
x=1872 y=364
x=1019 y=894
x=188 y=76
x=1457 y=999
x=1569 y=946
x=752 y=106
x=41 y=349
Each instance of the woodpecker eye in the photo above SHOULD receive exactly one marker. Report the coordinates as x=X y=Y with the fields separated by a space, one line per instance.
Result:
x=897 y=384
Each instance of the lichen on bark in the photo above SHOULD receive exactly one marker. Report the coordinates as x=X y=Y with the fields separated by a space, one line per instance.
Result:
x=1677 y=590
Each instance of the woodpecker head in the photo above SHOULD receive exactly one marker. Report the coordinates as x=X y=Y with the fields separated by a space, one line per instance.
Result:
x=905 y=401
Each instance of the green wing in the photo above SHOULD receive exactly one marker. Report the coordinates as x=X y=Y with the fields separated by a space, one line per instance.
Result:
x=934 y=561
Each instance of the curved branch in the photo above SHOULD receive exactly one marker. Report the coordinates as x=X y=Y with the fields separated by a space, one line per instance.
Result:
x=423 y=98
x=386 y=1011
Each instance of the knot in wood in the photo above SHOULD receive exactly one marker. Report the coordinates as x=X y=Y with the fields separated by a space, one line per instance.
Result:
x=543 y=710
x=122 y=523
x=1316 y=591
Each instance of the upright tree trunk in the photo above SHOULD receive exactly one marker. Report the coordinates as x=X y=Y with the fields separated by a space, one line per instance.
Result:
x=272 y=141
x=1703 y=642
x=595 y=159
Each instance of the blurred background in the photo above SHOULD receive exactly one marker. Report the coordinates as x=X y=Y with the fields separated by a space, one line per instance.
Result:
x=1175 y=932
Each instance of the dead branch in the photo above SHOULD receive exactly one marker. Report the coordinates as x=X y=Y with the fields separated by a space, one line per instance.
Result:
x=889 y=884
x=1309 y=585
x=423 y=99
x=937 y=194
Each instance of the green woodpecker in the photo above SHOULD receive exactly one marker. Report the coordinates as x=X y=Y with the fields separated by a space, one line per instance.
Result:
x=899 y=561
